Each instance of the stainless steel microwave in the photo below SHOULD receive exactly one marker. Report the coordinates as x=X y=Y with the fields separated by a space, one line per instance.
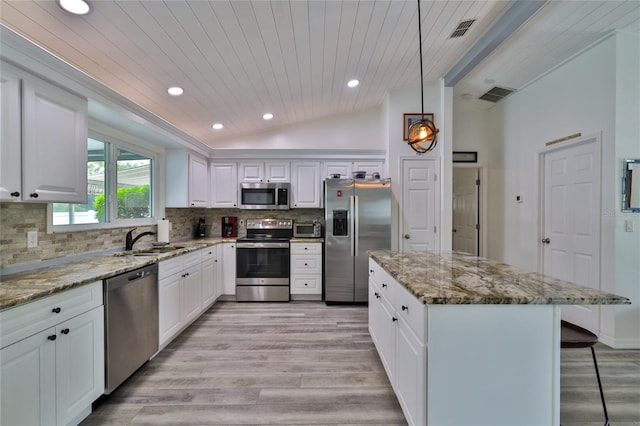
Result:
x=307 y=230
x=264 y=195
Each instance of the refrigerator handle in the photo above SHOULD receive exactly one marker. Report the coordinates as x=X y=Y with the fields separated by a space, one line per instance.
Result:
x=352 y=224
x=356 y=234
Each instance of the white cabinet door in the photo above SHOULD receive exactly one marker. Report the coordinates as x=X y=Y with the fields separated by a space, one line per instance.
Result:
x=79 y=364
x=209 y=279
x=191 y=293
x=28 y=370
x=10 y=137
x=342 y=168
x=251 y=172
x=198 y=182
x=169 y=307
x=228 y=273
x=224 y=185
x=306 y=184
x=410 y=373
x=382 y=326
x=54 y=143
x=277 y=171
x=369 y=167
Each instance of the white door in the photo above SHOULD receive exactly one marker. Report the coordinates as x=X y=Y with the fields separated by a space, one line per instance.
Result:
x=571 y=231
x=418 y=210
x=465 y=209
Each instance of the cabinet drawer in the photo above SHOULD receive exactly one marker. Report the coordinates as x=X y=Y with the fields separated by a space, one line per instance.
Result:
x=306 y=284
x=169 y=267
x=411 y=310
x=24 y=320
x=191 y=259
x=306 y=248
x=306 y=264
x=383 y=279
x=209 y=254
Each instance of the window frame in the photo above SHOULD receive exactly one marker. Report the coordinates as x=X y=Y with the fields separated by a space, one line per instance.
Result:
x=113 y=143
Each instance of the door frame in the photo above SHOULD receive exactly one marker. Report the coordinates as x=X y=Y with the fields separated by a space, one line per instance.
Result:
x=437 y=195
x=483 y=194
x=541 y=206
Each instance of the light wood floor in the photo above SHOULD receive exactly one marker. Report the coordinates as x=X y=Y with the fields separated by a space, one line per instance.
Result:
x=307 y=363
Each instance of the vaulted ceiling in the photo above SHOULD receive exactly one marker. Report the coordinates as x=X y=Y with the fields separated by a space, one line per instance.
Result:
x=239 y=59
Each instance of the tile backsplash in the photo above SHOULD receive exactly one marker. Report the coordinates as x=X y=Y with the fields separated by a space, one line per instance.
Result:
x=16 y=219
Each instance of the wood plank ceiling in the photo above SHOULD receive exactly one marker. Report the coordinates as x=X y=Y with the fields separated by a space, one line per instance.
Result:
x=239 y=59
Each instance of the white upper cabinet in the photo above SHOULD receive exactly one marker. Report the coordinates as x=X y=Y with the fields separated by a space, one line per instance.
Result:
x=346 y=168
x=306 y=184
x=187 y=179
x=48 y=149
x=258 y=171
x=10 y=138
x=224 y=184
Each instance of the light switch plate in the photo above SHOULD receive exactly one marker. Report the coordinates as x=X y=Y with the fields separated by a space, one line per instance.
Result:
x=32 y=239
x=628 y=225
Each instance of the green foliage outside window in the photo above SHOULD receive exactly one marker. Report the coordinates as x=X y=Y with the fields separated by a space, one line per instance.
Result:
x=133 y=202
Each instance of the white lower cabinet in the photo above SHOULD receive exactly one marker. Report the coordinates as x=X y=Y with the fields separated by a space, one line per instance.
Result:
x=52 y=376
x=209 y=276
x=228 y=270
x=306 y=269
x=396 y=324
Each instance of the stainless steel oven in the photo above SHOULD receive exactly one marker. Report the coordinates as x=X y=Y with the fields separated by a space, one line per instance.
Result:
x=263 y=261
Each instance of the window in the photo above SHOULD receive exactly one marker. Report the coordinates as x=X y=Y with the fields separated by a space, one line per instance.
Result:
x=119 y=188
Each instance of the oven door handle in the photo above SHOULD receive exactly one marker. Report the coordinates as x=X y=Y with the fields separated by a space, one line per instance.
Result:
x=262 y=245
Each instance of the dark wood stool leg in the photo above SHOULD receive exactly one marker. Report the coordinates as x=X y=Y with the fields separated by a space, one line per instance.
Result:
x=604 y=406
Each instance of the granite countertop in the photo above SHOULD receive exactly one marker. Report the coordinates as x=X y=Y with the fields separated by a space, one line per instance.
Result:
x=23 y=287
x=459 y=278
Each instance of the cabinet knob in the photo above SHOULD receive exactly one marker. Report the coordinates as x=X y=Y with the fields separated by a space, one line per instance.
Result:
x=305 y=248
x=404 y=308
x=377 y=295
x=15 y=194
x=371 y=271
x=384 y=285
x=305 y=264
x=306 y=284
x=234 y=205
x=407 y=236
x=65 y=331
x=56 y=310
x=34 y=195
x=394 y=319
x=546 y=240
x=52 y=337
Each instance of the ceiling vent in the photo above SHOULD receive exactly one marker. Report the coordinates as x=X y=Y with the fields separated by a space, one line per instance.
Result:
x=496 y=93
x=462 y=28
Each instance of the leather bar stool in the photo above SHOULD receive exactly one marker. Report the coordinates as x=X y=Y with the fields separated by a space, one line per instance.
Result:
x=573 y=336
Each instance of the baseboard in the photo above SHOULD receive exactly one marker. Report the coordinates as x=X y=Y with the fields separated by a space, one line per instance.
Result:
x=614 y=343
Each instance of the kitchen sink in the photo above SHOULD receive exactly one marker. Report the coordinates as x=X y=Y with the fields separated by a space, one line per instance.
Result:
x=151 y=251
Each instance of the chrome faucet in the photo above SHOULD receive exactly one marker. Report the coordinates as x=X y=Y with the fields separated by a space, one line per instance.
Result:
x=130 y=241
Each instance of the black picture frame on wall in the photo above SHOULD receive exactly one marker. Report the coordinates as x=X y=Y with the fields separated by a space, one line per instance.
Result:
x=465 y=156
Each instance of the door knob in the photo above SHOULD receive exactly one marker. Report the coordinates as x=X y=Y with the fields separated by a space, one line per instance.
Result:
x=407 y=236
x=546 y=240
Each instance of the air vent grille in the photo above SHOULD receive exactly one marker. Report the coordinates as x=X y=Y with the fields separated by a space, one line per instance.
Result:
x=462 y=28
x=496 y=93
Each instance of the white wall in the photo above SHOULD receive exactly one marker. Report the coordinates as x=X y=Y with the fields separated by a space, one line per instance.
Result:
x=595 y=92
x=363 y=130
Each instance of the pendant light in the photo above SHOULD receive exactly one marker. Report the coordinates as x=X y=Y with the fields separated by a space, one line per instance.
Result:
x=423 y=135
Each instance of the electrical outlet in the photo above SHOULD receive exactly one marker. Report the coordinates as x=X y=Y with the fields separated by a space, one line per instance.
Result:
x=32 y=239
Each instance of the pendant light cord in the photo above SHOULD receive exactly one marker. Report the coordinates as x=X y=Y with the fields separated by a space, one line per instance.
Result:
x=420 y=44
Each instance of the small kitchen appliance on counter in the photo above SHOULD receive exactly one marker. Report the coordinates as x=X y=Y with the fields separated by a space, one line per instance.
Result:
x=307 y=230
x=201 y=228
x=262 y=261
x=229 y=227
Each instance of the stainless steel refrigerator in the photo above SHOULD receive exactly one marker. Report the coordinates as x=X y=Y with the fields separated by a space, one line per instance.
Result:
x=357 y=219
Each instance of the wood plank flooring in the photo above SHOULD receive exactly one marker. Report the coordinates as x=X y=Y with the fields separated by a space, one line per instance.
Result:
x=307 y=363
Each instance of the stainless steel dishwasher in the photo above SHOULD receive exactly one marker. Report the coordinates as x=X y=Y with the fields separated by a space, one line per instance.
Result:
x=131 y=323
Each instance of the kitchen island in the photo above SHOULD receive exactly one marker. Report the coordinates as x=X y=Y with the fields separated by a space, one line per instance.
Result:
x=469 y=341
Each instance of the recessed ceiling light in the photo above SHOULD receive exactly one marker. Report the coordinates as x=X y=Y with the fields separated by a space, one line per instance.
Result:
x=77 y=7
x=353 y=83
x=218 y=126
x=175 y=91
x=268 y=116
